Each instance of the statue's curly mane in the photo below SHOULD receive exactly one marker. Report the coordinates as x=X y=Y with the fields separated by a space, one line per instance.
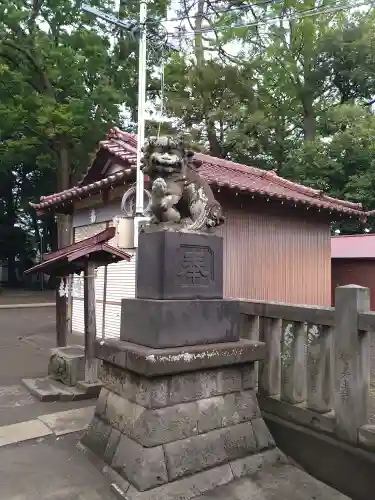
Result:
x=186 y=199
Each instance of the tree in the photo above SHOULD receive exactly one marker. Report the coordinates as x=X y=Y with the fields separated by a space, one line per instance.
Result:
x=66 y=80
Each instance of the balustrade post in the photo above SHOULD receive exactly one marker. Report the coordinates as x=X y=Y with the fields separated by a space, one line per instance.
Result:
x=351 y=361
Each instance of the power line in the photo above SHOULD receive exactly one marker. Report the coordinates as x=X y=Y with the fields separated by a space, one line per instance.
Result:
x=246 y=7
x=296 y=15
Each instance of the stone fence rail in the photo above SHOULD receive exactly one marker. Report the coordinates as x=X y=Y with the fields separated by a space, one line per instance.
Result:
x=317 y=367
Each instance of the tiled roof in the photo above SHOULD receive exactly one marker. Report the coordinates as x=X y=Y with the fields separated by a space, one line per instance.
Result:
x=72 y=258
x=357 y=246
x=116 y=179
x=218 y=172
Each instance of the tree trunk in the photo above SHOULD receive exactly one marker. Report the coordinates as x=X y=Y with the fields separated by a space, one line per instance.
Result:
x=10 y=222
x=309 y=125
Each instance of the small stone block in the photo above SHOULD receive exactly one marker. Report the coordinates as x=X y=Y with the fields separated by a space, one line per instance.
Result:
x=92 y=389
x=112 y=444
x=178 y=265
x=249 y=376
x=147 y=392
x=143 y=467
x=101 y=403
x=67 y=364
x=151 y=427
x=186 y=488
x=262 y=434
x=96 y=437
x=177 y=323
x=204 y=384
x=198 y=453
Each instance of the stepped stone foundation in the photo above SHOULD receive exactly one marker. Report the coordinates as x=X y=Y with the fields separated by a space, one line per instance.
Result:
x=167 y=418
x=177 y=414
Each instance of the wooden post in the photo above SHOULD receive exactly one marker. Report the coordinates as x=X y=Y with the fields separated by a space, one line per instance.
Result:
x=90 y=323
x=352 y=361
x=64 y=235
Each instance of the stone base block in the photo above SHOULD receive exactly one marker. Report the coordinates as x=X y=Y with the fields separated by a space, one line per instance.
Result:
x=178 y=265
x=160 y=434
x=175 y=323
x=152 y=362
x=67 y=364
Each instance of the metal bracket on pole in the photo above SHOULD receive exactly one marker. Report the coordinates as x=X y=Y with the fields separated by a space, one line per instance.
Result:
x=108 y=18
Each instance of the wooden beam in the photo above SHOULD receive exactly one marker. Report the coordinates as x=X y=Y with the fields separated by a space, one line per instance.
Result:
x=90 y=323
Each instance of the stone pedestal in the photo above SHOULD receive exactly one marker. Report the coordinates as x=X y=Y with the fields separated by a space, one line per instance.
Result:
x=179 y=293
x=67 y=364
x=175 y=323
x=177 y=265
x=178 y=414
x=175 y=422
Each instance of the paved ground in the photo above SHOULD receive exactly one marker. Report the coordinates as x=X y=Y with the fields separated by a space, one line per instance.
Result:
x=26 y=337
x=50 y=469
x=275 y=483
x=46 y=465
x=10 y=296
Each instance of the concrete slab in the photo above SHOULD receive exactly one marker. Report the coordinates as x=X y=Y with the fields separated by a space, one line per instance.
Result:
x=24 y=431
x=48 y=389
x=275 y=483
x=66 y=422
x=50 y=470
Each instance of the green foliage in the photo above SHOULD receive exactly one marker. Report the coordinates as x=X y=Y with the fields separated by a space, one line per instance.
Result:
x=65 y=79
x=263 y=83
x=289 y=94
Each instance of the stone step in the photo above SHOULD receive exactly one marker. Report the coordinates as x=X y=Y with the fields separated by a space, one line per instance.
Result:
x=47 y=389
x=283 y=482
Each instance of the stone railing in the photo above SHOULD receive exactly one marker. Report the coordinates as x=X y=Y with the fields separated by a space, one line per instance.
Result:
x=317 y=368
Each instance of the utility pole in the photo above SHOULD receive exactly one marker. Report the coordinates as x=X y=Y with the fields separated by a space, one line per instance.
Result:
x=141 y=106
x=139 y=203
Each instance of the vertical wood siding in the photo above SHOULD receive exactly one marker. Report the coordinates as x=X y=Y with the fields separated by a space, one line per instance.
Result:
x=120 y=284
x=277 y=257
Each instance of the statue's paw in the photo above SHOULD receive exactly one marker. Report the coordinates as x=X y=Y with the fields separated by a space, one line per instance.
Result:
x=164 y=204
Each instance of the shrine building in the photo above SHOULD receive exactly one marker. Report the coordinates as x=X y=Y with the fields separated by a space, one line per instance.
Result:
x=277 y=237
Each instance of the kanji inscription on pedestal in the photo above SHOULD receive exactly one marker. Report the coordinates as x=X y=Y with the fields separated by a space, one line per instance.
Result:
x=172 y=265
x=196 y=266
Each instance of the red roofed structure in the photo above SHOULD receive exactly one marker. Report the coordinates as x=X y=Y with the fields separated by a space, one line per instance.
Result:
x=276 y=235
x=218 y=172
x=353 y=262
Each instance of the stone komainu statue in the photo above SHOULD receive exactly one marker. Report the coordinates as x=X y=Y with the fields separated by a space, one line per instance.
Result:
x=180 y=198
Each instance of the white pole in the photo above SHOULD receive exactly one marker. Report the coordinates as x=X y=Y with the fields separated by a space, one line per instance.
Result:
x=141 y=106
